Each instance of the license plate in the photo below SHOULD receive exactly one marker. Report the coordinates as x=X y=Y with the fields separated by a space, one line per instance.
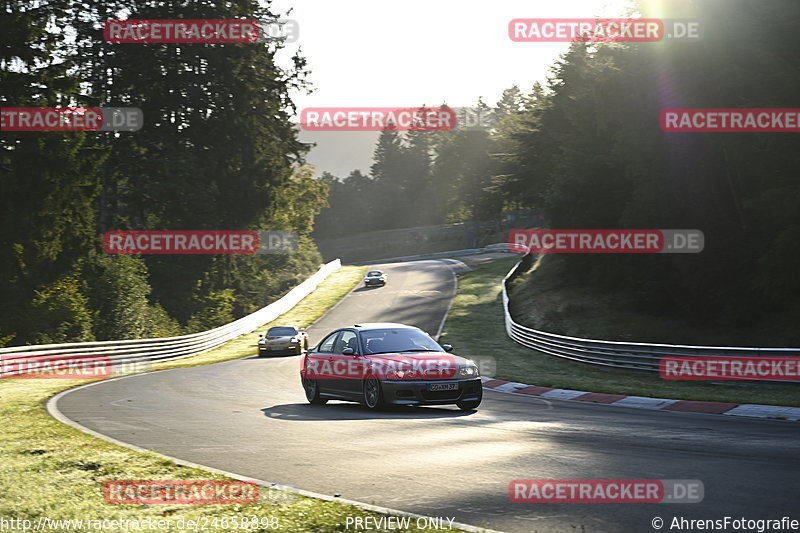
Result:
x=442 y=386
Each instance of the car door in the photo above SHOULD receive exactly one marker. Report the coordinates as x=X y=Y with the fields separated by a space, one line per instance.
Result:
x=349 y=367
x=319 y=362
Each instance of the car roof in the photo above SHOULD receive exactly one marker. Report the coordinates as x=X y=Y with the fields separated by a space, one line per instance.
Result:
x=378 y=271
x=382 y=325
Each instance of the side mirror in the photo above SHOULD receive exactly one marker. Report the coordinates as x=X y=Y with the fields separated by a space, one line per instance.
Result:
x=348 y=351
x=447 y=347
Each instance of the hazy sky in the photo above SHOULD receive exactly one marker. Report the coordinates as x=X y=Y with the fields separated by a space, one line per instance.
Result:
x=412 y=52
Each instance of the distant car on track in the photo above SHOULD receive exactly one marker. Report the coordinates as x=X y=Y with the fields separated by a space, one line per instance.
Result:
x=374 y=277
x=384 y=363
x=283 y=339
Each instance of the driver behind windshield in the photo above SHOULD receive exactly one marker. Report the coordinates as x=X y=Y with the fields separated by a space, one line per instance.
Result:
x=390 y=341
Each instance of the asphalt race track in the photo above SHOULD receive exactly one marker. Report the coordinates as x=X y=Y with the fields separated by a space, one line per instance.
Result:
x=250 y=417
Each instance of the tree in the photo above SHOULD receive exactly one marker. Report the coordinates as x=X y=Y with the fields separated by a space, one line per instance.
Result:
x=218 y=150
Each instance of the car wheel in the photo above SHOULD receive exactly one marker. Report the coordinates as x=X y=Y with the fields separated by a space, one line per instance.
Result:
x=312 y=392
x=262 y=353
x=471 y=404
x=373 y=397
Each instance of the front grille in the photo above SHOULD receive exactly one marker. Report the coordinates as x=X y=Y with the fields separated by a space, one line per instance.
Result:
x=444 y=373
x=442 y=394
x=472 y=387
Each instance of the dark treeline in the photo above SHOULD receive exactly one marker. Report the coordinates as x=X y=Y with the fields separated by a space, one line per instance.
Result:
x=591 y=152
x=419 y=178
x=217 y=151
x=587 y=149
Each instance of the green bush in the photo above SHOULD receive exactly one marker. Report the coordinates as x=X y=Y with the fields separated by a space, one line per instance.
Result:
x=63 y=312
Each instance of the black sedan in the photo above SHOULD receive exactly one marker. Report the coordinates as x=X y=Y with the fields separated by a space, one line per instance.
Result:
x=374 y=277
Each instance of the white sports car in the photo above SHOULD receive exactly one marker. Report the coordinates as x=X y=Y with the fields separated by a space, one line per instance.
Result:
x=283 y=340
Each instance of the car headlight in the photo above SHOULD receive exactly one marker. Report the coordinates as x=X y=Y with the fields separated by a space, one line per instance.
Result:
x=294 y=339
x=469 y=370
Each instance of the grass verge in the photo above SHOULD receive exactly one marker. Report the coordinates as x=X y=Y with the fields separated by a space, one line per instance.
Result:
x=51 y=470
x=475 y=327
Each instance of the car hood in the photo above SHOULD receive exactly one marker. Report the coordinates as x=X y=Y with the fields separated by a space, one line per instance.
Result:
x=400 y=357
x=416 y=365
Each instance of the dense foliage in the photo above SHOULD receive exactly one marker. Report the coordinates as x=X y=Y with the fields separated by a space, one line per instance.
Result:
x=590 y=151
x=218 y=151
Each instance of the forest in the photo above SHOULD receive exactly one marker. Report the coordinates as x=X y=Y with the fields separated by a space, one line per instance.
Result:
x=218 y=151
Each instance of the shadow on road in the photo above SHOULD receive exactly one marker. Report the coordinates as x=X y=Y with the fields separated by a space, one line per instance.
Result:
x=270 y=356
x=362 y=289
x=353 y=411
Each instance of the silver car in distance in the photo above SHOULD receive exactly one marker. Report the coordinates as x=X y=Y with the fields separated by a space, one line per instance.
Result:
x=283 y=340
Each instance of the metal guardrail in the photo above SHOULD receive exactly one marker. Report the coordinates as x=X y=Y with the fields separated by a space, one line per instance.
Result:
x=150 y=350
x=498 y=247
x=630 y=355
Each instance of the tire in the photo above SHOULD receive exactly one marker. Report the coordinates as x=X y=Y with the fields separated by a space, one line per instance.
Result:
x=471 y=404
x=262 y=353
x=312 y=392
x=372 y=395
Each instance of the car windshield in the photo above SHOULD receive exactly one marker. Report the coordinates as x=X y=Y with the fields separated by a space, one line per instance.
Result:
x=379 y=341
x=374 y=273
x=281 y=332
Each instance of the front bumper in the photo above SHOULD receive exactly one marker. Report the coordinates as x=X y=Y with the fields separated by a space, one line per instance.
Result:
x=374 y=282
x=400 y=392
x=275 y=348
